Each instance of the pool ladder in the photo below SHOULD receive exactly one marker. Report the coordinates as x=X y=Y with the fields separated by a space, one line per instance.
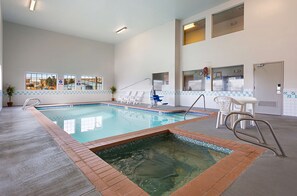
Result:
x=202 y=95
x=36 y=103
x=260 y=142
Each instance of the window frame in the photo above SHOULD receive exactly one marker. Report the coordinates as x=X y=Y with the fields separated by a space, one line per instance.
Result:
x=183 y=79
x=220 y=74
x=196 y=21
x=35 y=72
x=75 y=80
x=165 y=82
x=85 y=75
x=221 y=11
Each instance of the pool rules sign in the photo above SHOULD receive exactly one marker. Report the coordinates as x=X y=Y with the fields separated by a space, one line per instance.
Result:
x=61 y=83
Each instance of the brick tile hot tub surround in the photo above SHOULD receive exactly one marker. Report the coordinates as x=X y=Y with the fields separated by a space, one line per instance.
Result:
x=109 y=181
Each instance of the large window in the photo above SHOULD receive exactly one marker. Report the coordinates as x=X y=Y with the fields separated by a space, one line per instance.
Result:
x=193 y=80
x=69 y=82
x=91 y=83
x=194 y=32
x=228 y=21
x=41 y=81
x=160 y=79
x=228 y=78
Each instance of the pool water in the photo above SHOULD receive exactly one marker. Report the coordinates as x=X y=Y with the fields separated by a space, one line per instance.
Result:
x=91 y=122
x=163 y=163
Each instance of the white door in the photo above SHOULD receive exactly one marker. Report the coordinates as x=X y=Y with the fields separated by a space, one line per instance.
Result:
x=268 y=87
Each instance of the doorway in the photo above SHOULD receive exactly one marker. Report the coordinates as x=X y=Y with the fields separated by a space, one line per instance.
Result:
x=268 y=87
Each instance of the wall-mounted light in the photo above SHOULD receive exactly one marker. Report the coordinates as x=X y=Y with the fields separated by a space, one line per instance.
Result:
x=121 y=30
x=189 y=26
x=32 y=5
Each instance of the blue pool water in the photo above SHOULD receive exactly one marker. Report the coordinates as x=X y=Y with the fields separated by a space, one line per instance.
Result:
x=91 y=122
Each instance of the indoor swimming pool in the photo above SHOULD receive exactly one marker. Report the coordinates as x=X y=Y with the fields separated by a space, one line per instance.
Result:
x=90 y=122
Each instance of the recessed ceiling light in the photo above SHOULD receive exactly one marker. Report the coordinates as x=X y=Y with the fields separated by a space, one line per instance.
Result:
x=121 y=30
x=32 y=5
x=189 y=26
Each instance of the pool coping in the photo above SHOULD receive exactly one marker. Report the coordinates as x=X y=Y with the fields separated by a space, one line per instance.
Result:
x=152 y=109
x=109 y=181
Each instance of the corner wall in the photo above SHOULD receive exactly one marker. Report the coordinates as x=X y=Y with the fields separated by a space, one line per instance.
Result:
x=28 y=49
x=150 y=52
x=269 y=35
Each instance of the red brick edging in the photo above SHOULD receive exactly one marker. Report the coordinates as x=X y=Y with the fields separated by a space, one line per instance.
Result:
x=109 y=181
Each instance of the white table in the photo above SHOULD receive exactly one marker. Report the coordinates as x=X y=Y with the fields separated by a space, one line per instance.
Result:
x=244 y=101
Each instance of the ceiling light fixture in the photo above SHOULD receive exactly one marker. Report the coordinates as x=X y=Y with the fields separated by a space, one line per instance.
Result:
x=32 y=5
x=189 y=26
x=121 y=30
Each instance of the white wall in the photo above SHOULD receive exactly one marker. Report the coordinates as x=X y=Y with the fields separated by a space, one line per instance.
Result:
x=269 y=35
x=30 y=49
x=1 y=57
x=150 y=52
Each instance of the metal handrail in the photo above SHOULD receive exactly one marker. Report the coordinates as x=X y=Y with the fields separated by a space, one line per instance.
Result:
x=25 y=106
x=262 y=144
x=202 y=95
x=251 y=116
x=135 y=83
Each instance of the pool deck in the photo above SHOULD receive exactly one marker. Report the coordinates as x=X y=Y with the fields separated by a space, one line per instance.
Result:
x=31 y=162
x=267 y=175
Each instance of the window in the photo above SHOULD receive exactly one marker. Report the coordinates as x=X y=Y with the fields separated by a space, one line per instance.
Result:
x=194 y=32
x=193 y=80
x=41 y=81
x=69 y=82
x=160 y=79
x=229 y=21
x=91 y=83
x=228 y=78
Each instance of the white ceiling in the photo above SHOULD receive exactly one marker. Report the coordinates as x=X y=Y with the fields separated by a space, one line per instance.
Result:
x=99 y=19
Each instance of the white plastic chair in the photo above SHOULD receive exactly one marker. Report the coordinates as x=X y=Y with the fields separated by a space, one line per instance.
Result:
x=225 y=107
x=124 y=97
x=138 y=98
x=132 y=97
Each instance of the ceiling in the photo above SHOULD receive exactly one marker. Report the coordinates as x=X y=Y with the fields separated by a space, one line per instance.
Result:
x=99 y=19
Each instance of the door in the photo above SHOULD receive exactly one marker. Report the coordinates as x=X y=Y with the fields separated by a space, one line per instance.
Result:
x=268 y=87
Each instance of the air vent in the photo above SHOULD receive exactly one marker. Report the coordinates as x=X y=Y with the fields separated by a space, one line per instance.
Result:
x=267 y=103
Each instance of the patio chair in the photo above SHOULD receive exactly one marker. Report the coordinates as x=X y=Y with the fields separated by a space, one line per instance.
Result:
x=132 y=97
x=138 y=98
x=124 y=97
x=226 y=106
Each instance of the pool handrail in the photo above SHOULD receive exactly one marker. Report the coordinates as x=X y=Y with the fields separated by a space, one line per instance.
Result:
x=202 y=95
x=262 y=144
x=25 y=106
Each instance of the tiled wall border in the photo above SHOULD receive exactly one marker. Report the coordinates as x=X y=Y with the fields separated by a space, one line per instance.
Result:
x=248 y=93
x=290 y=94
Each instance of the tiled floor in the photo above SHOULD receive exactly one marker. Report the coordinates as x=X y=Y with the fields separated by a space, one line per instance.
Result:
x=268 y=175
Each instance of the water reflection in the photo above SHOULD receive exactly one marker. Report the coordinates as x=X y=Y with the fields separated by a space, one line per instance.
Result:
x=69 y=126
x=73 y=126
x=90 y=123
